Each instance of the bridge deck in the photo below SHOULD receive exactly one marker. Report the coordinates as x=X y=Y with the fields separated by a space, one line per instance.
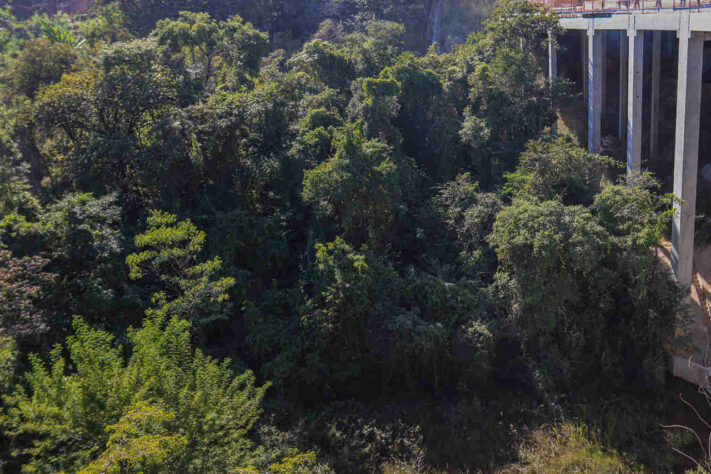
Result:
x=639 y=14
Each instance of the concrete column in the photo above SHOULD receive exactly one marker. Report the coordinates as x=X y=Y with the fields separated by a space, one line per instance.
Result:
x=552 y=72
x=584 y=63
x=603 y=65
x=622 y=112
x=552 y=59
x=656 y=76
x=686 y=149
x=594 y=90
x=634 y=100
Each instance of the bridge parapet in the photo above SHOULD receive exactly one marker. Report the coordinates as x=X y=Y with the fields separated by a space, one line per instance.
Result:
x=662 y=21
x=592 y=8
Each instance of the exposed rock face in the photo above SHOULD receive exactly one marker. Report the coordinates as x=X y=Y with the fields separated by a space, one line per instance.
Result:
x=451 y=21
x=74 y=6
x=25 y=8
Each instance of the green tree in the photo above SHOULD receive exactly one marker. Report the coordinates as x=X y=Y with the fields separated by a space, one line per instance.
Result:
x=169 y=253
x=548 y=256
x=518 y=24
x=128 y=85
x=315 y=138
x=102 y=120
x=78 y=237
x=375 y=104
x=107 y=24
x=140 y=441
x=357 y=187
x=10 y=32
x=324 y=63
x=41 y=62
x=95 y=408
x=580 y=280
x=59 y=29
x=508 y=94
x=204 y=40
x=367 y=325
x=15 y=191
x=500 y=84
x=469 y=215
x=637 y=217
x=554 y=167
x=428 y=119
x=376 y=47
x=8 y=361
x=142 y=15
x=297 y=463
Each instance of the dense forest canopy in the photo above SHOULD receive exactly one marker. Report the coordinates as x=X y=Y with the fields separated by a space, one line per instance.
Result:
x=224 y=243
x=291 y=22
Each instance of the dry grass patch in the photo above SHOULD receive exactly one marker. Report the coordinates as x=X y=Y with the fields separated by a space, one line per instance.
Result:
x=568 y=448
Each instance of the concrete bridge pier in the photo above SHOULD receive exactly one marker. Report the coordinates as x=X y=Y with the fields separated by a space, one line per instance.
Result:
x=594 y=89
x=584 y=63
x=603 y=63
x=622 y=112
x=686 y=150
x=552 y=59
x=635 y=78
x=654 y=112
x=552 y=70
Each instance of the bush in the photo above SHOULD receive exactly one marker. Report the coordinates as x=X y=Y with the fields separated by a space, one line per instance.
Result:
x=577 y=280
x=365 y=322
x=96 y=409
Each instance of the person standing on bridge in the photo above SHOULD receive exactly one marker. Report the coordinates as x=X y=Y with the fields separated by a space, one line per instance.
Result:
x=659 y=5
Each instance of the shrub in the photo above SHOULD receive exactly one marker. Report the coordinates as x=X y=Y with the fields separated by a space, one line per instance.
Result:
x=97 y=409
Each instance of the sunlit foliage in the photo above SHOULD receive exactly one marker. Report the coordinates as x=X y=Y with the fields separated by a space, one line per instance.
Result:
x=305 y=191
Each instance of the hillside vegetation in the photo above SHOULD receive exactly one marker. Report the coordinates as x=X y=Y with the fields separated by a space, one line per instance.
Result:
x=308 y=243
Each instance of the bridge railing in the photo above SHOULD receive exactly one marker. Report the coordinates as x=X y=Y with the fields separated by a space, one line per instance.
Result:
x=574 y=8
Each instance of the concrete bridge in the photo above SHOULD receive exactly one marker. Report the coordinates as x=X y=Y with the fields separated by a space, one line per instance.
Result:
x=593 y=28
x=692 y=29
